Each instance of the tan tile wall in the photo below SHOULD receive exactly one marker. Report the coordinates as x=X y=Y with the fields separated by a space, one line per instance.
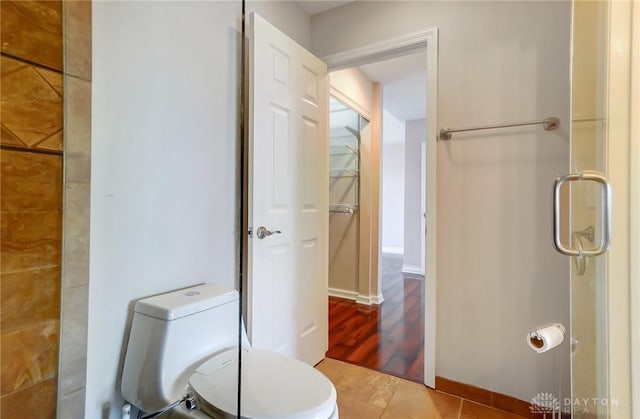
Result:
x=31 y=119
x=39 y=401
x=45 y=207
x=32 y=31
x=75 y=222
x=31 y=105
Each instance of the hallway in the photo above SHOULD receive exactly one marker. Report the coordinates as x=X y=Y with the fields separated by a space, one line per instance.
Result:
x=388 y=337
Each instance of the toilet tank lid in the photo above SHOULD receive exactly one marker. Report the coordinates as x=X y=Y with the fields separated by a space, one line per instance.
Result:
x=184 y=302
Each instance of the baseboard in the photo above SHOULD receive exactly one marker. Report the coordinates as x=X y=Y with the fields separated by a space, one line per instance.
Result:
x=377 y=299
x=358 y=298
x=369 y=299
x=364 y=299
x=412 y=269
x=349 y=295
x=393 y=250
x=486 y=397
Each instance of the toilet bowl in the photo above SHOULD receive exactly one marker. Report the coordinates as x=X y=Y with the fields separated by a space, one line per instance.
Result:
x=186 y=341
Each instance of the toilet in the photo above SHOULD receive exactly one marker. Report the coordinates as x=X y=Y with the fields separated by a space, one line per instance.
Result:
x=186 y=342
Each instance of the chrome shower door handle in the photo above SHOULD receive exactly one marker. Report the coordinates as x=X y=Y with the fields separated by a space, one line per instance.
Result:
x=262 y=232
x=605 y=217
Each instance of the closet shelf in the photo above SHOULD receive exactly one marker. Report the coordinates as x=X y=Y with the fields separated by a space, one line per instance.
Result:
x=341 y=173
x=351 y=150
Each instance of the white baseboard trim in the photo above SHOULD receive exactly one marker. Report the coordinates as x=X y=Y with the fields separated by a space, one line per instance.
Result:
x=412 y=269
x=369 y=299
x=393 y=250
x=364 y=299
x=377 y=299
x=349 y=295
x=358 y=298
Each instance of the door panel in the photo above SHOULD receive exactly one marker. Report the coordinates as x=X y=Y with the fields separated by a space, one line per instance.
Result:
x=588 y=138
x=600 y=111
x=288 y=194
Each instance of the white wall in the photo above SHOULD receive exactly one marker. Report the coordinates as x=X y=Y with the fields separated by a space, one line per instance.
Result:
x=393 y=134
x=287 y=16
x=498 y=275
x=416 y=134
x=353 y=87
x=164 y=150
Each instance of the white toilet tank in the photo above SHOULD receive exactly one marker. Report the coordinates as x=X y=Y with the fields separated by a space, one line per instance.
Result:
x=170 y=336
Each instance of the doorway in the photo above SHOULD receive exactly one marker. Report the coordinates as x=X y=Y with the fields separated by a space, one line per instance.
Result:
x=276 y=206
x=382 y=327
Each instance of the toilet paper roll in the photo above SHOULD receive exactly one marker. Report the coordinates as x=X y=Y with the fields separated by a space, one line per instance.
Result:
x=543 y=339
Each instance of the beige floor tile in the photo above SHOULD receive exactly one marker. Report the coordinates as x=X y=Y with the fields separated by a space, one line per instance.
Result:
x=356 y=409
x=368 y=394
x=361 y=384
x=446 y=405
x=415 y=401
x=471 y=410
x=331 y=368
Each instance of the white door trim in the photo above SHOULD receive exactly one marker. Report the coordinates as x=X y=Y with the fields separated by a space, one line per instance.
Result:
x=384 y=50
x=619 y=173
x=635 y=209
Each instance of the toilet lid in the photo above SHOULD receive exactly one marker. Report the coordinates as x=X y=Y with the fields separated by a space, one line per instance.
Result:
x=273 y=386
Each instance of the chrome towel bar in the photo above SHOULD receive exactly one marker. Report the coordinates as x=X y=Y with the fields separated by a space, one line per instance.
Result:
x=548 y=124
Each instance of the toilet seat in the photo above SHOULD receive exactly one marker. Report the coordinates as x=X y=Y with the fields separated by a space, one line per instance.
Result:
x=273 y=386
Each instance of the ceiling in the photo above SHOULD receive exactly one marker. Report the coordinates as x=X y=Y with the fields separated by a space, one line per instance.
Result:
x=404 y=85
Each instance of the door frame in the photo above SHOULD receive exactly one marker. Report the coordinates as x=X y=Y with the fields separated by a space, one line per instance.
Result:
x=622 y=170
x=426 y=40
x=635 y=209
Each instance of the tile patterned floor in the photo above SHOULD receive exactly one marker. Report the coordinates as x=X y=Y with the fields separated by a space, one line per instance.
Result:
x=368 y=394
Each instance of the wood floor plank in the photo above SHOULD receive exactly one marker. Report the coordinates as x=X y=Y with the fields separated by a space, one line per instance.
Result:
x=388 y=337
x=417 y=366
x=390 y=344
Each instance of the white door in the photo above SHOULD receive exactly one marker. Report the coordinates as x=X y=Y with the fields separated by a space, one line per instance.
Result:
x=288 y=196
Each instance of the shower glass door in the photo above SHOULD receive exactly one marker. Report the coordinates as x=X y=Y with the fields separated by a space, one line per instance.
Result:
x=595 y=118
x=588 y=146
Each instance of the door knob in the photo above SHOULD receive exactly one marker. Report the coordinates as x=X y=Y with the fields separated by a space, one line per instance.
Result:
x=262 y=232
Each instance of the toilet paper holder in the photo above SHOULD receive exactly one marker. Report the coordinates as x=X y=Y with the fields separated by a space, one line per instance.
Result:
x=546 y=338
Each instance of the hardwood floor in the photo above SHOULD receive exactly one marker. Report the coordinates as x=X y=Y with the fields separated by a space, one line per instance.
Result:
x=388 y=337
